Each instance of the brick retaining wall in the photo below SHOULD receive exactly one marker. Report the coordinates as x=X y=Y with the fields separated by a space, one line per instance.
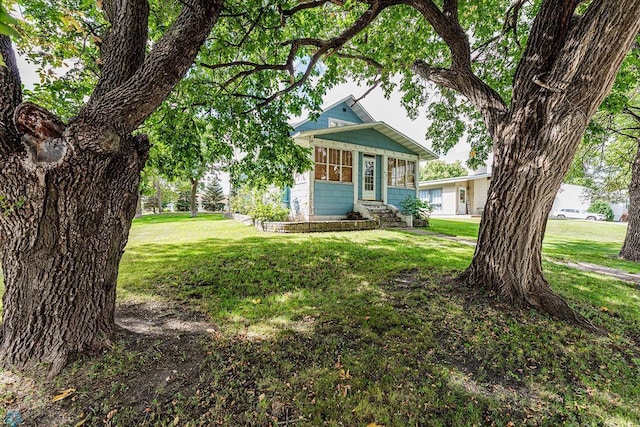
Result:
x=317 y=226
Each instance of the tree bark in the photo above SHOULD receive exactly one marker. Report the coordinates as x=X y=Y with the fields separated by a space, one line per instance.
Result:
x=139 y=205
x=631 y=247
x=524 y=182
x=70 y=190
x=193 y=198
x=568 y=67
x=61 y=248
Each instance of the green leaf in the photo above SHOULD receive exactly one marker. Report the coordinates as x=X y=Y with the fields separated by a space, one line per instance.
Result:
x=6 y=23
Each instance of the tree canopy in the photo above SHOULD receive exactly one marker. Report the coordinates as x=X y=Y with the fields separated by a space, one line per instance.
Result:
x=438 y=169
x=523 y=78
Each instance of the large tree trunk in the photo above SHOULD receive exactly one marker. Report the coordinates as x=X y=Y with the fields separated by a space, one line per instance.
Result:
x=71 y=189
x=529 y=164
x=193 y=198
x=631 y=247
x=139 y=205
x=61 y=247
x=566 y=70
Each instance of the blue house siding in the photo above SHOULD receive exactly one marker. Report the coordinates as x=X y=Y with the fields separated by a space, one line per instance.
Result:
x=341 y=111
x=332 y=199
x=397 y=195
x=369 y=138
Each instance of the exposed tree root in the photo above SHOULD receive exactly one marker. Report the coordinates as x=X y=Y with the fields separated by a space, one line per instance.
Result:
x=547 y=301
x=539 y=297
x=58 y=363
x=630 y=254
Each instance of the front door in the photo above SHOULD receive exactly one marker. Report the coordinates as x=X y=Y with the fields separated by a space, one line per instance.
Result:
x=369 y=178
x=462 y=201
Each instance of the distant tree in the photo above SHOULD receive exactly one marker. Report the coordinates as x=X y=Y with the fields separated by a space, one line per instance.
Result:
x=608 y=161
x=437 y=169
x=601 y=207
x=213 y=196
x=183 y=203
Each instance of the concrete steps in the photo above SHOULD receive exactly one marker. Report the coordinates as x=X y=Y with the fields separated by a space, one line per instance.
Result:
x=382 y=213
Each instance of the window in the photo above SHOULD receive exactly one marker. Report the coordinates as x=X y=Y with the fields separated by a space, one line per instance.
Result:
x=333 y=165
x=401 y=173
x=433 y=197
x=334 y=123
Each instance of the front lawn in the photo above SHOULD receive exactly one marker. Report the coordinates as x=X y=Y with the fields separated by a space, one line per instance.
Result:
x=565 y=240
x=225 y=325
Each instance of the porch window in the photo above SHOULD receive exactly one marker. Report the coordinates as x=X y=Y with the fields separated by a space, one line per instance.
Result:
x=433 y=197
x=333 y=165
x=401 y=173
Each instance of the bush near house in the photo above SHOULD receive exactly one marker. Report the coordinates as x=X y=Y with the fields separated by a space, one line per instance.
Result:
x=261 y=205
x=601 y=207
x=269 y=211
x=415 y=207
x=242 y=200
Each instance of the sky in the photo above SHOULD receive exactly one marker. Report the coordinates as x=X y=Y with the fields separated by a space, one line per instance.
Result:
x=393 y=113
x=389 y=111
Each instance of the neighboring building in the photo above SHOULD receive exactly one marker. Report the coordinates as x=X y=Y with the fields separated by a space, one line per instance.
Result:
x=620 y=211
x=358 y=163
x=571 y=197
x=463 y=195
x=467 y=195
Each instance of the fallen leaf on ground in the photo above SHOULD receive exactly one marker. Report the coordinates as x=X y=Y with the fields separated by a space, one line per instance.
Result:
x=64 y=394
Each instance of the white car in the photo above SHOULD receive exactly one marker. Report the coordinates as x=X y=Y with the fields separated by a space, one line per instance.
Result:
x=578 y=214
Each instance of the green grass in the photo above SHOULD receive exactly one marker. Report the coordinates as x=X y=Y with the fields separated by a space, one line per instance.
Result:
x=345 y=329
x=574 y=241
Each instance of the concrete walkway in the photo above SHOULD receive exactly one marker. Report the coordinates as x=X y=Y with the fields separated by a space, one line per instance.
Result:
x=582 y=266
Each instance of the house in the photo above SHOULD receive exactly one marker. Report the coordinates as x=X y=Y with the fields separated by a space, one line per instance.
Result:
x=463 y=195
x=467 y=195
x=360 y=165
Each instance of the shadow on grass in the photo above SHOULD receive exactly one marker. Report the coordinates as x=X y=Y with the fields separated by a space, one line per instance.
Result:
x=414 y=349
x=340 y=329
x=603 y=300
x=601 y=253
x=255 y=278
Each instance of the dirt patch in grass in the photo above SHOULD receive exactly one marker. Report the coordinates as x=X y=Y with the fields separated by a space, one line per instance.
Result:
x=415 y=349
x=157 y=352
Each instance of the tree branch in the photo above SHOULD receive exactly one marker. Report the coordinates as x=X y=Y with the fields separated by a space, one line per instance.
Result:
x=481 y=95
x=324 y=47
x=122 y=110
x=375 y=84
x=460 y=76
x=369 y=61
x=629 y=110
x=328 y=47
x=10 y=97
x=446 y=24
x=593 y=52
x=123 y=45
x=302 y=6
x=546 y=40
